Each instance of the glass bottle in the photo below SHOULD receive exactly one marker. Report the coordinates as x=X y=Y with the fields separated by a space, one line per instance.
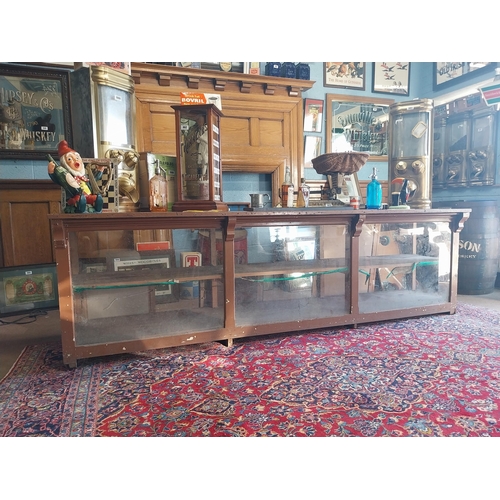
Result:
x=287 y=190
x=303 y=196
x=158 y=196
x=374 y=192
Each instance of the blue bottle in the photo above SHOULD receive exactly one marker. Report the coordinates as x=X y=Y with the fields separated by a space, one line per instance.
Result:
x=374 y=192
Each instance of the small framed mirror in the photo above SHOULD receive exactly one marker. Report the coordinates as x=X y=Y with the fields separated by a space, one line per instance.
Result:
x=357 y=124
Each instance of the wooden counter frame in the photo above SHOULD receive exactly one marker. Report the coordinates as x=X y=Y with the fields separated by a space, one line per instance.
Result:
x=227 y=222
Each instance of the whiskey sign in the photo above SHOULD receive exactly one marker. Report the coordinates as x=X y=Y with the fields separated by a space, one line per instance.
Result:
x=34 y=111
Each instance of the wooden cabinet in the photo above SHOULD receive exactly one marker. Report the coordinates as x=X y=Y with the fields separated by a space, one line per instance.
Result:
x=261 y=272
x=261 y=127
x=25 y=227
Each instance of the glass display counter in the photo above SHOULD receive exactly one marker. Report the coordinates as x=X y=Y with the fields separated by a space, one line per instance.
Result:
x=135 y=281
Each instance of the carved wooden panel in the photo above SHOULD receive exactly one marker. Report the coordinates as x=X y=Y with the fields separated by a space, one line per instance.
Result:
x=25 y=229
x=262 y=123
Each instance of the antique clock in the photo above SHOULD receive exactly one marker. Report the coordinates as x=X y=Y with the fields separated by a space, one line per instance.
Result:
x=199 y=179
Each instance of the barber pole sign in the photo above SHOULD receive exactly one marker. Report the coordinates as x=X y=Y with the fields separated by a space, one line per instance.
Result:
x=491 y=94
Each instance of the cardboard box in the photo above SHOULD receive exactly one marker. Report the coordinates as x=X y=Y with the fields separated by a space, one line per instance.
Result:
x=193 y=98
x=147 y=170
x=149 y=246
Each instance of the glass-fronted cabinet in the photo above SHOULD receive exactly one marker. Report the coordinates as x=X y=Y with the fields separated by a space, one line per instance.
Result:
x=131 y=282
x=128 y=288
x=405 y=264
x=293 y=273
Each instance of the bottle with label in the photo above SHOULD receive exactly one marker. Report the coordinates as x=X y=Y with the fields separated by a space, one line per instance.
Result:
x=287 y=190
x=158 y=194
x=374 y=192
x=303 y=196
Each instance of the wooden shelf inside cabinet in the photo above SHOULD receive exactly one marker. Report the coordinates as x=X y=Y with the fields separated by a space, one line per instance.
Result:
x=396 y=260
x=328 y=265
x=291 y=266
x=126 y=279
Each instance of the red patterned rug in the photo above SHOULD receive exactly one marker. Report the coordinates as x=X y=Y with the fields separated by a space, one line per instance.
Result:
x=429 y=376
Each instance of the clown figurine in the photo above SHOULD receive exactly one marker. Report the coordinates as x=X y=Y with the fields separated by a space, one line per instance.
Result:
x=71 y=176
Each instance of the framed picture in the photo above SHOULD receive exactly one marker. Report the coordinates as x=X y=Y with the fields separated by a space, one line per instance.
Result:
x=34 y=111
x=313 y=115
x=447 y=74
x=26 y=288
x=345 y=75
x=391 y=78
x=312 y=149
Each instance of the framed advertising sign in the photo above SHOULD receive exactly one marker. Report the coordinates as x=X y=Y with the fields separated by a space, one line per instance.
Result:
x=345 y=75
x=449 y=73
x=34 y=111
x=26 y=288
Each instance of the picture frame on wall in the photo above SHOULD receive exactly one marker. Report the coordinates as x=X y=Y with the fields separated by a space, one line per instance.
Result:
x=345 y=75
x=34 y=111
x=391 y=78
x=447 y=74
x=312 y=149
x=313 y=115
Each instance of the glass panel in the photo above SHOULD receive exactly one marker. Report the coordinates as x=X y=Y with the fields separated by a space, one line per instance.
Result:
x=458 y=132
x=293 y=273
x=411 y=129
x=404 y=265
x=115 y=116
x=195 y=151
x=439 y=139
x=482 y=132
x=128 y=288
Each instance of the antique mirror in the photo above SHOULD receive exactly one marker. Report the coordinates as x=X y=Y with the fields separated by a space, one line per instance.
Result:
x=352 y=124
x=357 y=124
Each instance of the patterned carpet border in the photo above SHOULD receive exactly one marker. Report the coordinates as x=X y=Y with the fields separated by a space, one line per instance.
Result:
x=430 y=376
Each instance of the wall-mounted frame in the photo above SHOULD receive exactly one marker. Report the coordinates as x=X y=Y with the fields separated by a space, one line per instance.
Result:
x=359 y=122
x=344 y=75
x=447 y=74
x=391 y=78
x=313 y=115
x=34 y=111
x=26 y=288
x=312 y=149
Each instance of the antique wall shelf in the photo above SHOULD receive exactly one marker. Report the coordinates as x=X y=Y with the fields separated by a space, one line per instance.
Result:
x=198 y=79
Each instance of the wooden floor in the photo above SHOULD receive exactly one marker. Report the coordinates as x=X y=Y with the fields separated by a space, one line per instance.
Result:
x=16 y=332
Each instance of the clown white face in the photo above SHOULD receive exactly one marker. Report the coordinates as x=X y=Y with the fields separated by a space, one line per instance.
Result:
x=73 y=162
